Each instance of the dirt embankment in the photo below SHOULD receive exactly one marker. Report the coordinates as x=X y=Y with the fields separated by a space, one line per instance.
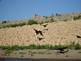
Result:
x=53 y=33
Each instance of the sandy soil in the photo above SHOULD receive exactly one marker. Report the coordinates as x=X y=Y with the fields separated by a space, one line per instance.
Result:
x=56 y=33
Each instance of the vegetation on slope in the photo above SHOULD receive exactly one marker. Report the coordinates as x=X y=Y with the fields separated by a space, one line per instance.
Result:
x=33 y=46
x=30 y=22
x=6 y=24
x=10 y=49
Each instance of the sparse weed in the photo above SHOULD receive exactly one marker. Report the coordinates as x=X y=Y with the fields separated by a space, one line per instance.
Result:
x=7 y=52
x=12 y=25
x=77 y=46
x=73 y=45
x=77 y=17
x=30 y=22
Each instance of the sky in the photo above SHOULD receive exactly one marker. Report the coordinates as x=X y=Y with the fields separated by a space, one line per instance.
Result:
x=21 y=9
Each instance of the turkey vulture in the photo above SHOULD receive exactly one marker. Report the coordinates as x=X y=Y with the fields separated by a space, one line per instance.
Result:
x=38 y=32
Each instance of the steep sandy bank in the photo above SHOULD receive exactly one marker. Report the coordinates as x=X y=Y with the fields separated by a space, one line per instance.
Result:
x=53 y=33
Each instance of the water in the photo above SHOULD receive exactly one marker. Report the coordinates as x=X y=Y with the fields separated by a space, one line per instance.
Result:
x=26 y=59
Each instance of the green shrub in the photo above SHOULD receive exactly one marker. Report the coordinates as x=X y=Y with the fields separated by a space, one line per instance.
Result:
x=51 y=47
x=30 y=22
x=33 y=46
x=77 y=46
x=16 y=24
x=60 y=47
x=43 y=46
x=12 y=25
x=77 y=17
x=51 y=20
x=3 y=22
x=7 y=52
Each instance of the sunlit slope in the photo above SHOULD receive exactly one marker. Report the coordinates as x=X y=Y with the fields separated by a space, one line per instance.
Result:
x=54 y=33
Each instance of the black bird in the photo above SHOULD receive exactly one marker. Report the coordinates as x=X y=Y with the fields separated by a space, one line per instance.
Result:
x=78 y=36
x=38 y=32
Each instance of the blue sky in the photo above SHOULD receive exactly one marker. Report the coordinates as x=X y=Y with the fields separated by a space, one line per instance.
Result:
x=20 y=9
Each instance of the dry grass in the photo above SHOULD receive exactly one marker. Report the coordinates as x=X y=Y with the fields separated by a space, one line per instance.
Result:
x=57 y=33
